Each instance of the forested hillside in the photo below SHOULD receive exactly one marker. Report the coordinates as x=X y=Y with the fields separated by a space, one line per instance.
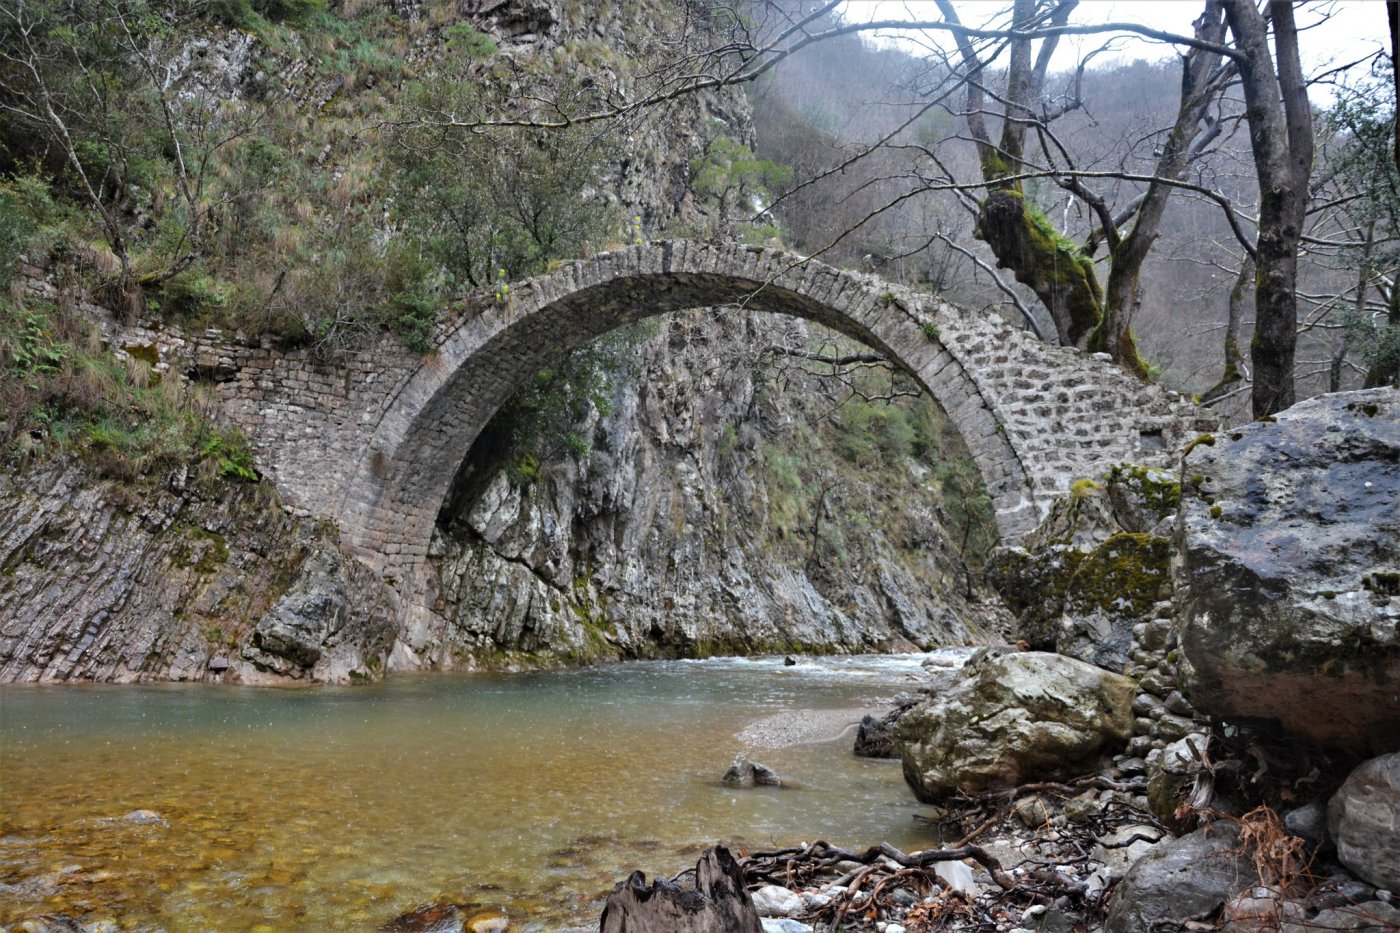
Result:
x=890 y=118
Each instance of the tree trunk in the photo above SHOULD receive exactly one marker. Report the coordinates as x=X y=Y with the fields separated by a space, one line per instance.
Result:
x=1060 y=275
x=719 y=902
x=1186 y=140
x=1283 y=150
x=1234 y=362
x=1392 y=13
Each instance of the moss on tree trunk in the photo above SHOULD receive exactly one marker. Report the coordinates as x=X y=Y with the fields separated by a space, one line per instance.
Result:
x=1053 y=267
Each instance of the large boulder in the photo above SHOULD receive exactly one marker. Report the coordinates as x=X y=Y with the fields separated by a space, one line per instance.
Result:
x=1364 y=819
x=1181 y=879
x=1290 y=541
x=1015 y=716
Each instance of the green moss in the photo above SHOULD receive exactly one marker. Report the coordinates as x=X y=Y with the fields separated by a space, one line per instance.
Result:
x=1159 y=490
x=147 y=353
x=1206 y=440
x=1383 y=582
x=199 y=549
x=931 y=331
x=1216 y=511
x=1123 y=577
x=1083 y=487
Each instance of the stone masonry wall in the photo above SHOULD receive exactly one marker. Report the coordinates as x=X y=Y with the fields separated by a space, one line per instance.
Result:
x=372 y=438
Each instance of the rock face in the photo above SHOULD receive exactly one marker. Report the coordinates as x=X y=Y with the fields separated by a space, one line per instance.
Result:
x=1364 y=820
x=687 y=529
x=1015 y=717
x=176 y=581
x=1179 y=879
x=1098 y=565
x=1290 y=542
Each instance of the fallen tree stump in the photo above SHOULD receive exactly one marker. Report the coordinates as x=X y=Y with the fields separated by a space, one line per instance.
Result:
x=719 y=902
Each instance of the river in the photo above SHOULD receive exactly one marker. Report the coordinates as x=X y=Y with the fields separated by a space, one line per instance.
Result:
x=341 y=808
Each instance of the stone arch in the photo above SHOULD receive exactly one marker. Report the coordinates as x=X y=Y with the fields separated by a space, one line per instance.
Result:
x=984 y=373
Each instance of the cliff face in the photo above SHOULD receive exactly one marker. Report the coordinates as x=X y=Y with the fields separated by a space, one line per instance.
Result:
x=727 y=501
x=713 y=513
x=176 y=580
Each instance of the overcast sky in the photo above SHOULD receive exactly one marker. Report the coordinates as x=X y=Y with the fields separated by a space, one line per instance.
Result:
x=1355 y=28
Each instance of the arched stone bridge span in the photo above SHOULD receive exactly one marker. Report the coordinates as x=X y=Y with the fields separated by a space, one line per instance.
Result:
x=1034 y=416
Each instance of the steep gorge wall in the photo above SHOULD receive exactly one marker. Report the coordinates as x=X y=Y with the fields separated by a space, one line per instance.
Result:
x=661 y=539
x=687 y=528
x=177 y=579
x=712 y=514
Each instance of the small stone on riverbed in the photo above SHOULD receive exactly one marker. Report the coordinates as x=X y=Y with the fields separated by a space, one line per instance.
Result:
x=488 y=923
x=145 y=818
x=784 y=925
x=745 y=773
x=774 y=901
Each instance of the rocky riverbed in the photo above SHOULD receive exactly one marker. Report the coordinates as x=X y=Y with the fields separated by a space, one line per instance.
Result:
x=1210 y=741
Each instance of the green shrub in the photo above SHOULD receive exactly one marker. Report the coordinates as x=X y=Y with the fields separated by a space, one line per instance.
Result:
x=464 y=40
x=232 y=456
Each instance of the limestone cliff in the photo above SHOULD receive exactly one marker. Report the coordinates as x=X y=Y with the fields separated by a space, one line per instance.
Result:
x=713 y=513
x=723 y=503
x=176 y=579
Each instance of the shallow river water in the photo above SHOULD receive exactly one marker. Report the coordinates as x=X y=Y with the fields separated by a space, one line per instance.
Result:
x=341 y=808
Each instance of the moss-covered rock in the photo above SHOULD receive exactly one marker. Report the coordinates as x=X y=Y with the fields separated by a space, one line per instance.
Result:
x=1098 y=564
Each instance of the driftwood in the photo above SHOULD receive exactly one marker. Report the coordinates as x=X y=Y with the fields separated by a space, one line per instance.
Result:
x=718 y=903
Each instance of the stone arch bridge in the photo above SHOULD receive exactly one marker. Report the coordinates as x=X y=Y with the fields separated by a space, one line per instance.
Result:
x=374 y=442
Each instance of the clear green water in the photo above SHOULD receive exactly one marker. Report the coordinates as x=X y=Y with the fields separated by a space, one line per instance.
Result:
x=342 y=808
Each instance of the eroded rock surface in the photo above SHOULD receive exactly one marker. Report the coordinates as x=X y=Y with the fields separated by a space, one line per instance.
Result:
x=1290 y=536
x=176 y=580
x=1364 y=820
x=1014 y=717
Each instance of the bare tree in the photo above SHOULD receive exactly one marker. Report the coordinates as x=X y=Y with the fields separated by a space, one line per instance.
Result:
x=94 y=84
x=1010 y=121
x=1281 y=134
x=1062 y=273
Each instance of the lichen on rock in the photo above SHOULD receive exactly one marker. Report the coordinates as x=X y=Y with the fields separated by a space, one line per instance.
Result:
x=1279 y=625
x=1014 y=717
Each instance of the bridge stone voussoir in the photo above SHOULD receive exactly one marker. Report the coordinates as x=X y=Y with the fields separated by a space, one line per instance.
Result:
x=593 y=272
x=794 y=278
x=931 y=370
x=700 y=258
x=840 y=296
x=742 y=264
x=654 y=262
x=682 y=257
